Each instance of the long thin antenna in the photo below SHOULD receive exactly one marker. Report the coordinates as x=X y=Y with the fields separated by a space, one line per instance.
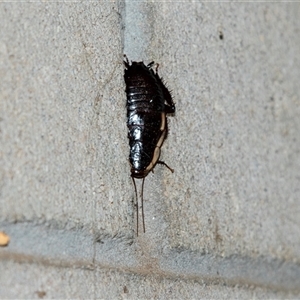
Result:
x=142 y=196
x=137 y=207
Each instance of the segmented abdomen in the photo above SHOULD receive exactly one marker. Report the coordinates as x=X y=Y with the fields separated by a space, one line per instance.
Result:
x=145 y=106
x=144 y=134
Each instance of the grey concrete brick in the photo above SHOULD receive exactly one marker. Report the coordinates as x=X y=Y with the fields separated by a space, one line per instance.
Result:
x=226 y=223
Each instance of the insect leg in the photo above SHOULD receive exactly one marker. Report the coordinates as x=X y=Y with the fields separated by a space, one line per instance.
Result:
x=126 y=61
x=170 y=106
x=163 y=163
x=170 y=109
x=150 y=65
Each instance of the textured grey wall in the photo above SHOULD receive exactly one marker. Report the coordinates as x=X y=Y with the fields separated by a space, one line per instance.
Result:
x=226 y=223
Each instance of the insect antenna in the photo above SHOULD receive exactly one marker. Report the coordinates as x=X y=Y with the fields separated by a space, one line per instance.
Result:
x=142 y=197
x=137 y=207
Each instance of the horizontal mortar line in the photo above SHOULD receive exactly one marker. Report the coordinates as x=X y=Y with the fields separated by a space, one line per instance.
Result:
x=85 y=265
x=40 y=244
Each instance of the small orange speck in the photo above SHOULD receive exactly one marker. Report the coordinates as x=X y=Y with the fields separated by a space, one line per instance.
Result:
x=4 y=239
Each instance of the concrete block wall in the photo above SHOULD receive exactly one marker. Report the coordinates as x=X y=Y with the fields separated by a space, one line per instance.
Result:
x=226 y=224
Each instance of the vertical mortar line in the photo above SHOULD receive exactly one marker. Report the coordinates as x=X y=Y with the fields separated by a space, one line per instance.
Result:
x=138 y=29
x=139 y=38
x=134 y=48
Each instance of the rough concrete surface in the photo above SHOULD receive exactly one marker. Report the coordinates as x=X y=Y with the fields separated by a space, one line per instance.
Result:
x=226 y=224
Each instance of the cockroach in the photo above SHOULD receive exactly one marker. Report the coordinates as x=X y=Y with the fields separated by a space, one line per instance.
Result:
x=148 y=103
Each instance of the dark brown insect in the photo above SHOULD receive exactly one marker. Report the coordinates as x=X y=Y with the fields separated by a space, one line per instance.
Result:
x=148 y=103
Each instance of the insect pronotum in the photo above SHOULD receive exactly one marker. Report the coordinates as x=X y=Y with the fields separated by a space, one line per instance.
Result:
x=148 y=103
